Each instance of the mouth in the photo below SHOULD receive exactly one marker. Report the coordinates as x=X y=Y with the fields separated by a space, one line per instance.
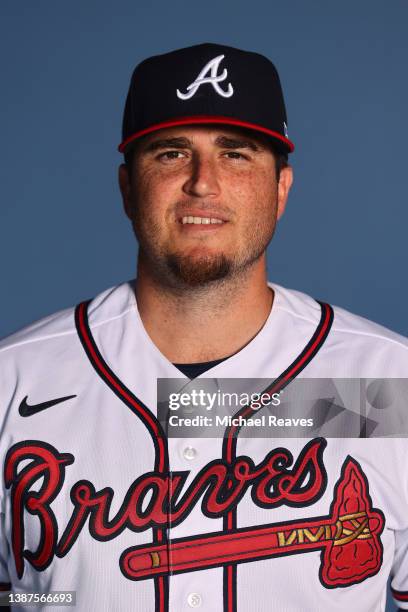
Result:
x=195 y=220
x=199 y=221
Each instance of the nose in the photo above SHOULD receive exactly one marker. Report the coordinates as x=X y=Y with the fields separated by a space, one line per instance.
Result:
x=202 y=181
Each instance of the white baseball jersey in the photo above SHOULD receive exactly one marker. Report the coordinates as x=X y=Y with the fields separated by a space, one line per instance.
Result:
x=95 y=499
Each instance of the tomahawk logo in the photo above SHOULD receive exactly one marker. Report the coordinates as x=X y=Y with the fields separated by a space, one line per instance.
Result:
x=211 y=69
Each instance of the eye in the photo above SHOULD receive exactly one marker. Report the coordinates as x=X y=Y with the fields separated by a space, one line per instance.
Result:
x=235 y=155
x=169 y=156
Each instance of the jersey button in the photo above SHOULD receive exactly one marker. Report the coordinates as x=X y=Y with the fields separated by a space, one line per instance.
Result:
x=194 y=600
x=189 y=453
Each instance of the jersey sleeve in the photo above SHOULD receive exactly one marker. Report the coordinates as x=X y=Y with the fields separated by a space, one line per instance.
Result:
x=5 y=583
x=399 y=569
x=399 y=573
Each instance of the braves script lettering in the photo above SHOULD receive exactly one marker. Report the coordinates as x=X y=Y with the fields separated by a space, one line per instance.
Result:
x=277 y=480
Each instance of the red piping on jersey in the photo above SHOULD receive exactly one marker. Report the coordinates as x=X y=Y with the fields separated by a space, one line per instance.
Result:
x=162 y=600
x=102 y=368
x=301 y=361
x=230 y=578
x=205 y=119
x=292 y=371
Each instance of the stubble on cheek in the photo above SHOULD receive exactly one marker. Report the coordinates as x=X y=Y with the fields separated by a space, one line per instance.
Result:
x=259 y=223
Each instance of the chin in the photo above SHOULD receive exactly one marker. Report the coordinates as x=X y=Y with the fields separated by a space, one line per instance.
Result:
x=195 y=270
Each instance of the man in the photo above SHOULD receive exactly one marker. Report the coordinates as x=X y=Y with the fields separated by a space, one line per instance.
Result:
x=96 y=496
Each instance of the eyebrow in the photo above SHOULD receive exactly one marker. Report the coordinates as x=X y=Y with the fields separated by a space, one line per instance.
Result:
x=224 y=142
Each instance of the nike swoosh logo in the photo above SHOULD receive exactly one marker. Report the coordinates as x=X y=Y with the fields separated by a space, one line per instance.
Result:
x=26 y=410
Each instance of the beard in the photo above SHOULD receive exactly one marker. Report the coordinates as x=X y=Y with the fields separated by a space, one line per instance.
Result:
x=181 y=270
x=198 y=271
x=200 y=267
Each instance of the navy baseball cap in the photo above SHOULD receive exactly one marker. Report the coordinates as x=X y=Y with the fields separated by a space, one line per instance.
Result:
x=206 y=84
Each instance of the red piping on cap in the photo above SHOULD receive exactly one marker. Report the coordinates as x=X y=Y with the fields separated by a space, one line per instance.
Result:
x=205 y=119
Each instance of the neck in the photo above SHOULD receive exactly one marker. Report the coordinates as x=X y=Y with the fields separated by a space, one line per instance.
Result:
x=204 y=324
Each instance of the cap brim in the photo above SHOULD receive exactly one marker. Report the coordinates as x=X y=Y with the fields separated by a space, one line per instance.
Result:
x=282 y=143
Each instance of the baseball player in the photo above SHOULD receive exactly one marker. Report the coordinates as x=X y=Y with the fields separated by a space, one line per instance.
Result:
x=99 y=505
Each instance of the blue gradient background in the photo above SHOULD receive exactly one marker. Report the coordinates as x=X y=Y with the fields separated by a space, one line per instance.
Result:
x=65 y=69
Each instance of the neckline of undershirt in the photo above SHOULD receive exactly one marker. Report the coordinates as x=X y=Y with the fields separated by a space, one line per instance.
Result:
x=192 y=370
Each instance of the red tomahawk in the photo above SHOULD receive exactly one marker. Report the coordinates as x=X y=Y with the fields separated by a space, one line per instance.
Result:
x=349 y=539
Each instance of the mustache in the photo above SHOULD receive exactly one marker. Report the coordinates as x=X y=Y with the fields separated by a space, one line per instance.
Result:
x=208 y=207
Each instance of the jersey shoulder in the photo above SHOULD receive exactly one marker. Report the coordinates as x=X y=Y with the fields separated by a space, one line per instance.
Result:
x=348 y=323
x=48 y=353
x=58 y=324
x=355 y=347
x=109 y=304
x=303 y=306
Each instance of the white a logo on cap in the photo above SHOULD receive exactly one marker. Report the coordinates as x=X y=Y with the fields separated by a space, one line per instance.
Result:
x=210 y=68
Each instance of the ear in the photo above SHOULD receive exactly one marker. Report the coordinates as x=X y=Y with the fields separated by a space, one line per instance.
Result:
x=125 y=189
x=284 y=185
